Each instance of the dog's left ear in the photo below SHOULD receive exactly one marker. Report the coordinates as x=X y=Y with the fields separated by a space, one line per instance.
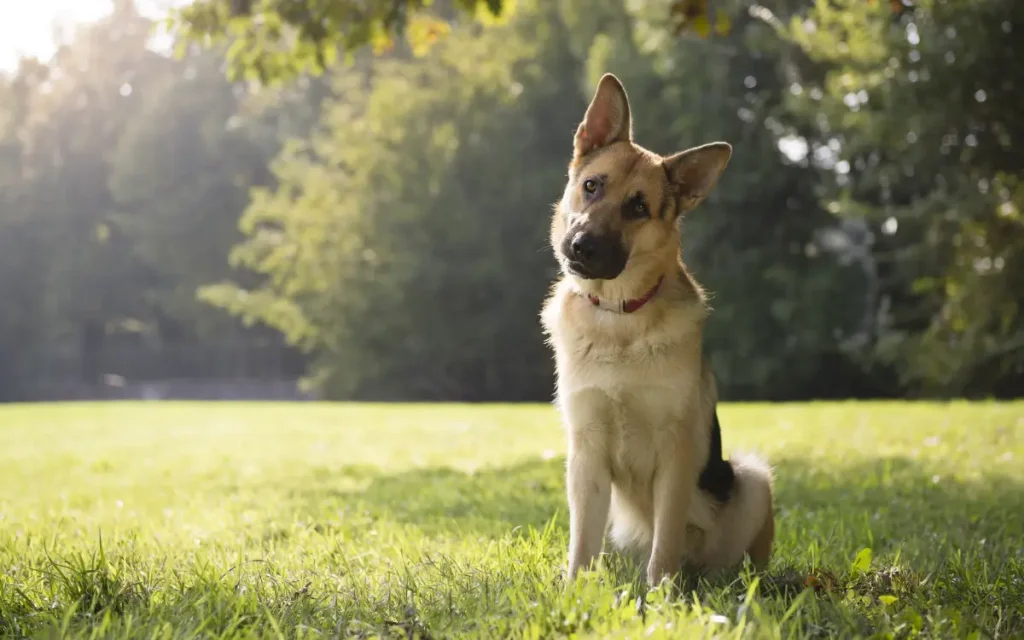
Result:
x=695 y=171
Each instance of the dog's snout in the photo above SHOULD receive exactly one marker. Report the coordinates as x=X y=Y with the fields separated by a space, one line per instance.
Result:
x=584 y=246
x=594 y=255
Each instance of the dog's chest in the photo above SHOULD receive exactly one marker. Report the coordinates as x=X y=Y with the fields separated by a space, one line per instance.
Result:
x=628 y=400
x=646 y=426
x=626 y=384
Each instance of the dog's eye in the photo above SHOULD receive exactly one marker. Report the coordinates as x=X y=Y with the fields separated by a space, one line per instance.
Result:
x=590 y=185
x=635 y=208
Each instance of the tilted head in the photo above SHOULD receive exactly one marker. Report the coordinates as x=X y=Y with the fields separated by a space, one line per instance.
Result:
x=622 y=202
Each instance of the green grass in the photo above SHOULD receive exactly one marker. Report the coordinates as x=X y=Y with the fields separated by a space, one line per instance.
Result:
x=317 y=520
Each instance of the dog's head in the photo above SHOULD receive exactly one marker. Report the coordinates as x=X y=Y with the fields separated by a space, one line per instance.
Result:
x=622 y=202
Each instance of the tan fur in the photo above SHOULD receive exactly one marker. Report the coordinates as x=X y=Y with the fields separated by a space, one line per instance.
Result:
x=633 y=389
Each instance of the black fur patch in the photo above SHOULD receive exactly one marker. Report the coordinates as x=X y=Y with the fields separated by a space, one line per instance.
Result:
x=635 y=208
x=717 y=478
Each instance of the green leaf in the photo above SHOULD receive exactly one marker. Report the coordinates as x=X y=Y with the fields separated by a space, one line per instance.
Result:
x=913 y=618
x=701 y=25
x=862 y=562
x=723 y=24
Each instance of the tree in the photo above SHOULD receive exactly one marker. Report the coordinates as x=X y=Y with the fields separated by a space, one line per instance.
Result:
x=273 y=40
x=21 y=251
x=178 y=208
x=122 y=176
x=95 y=83
x=405 y=245
x=923 y=114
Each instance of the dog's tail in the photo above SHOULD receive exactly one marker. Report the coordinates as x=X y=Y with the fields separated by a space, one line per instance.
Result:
x=746 y=523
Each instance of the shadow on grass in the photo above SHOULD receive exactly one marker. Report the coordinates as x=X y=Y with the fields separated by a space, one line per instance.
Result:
x=934 y=538
x=489 y=502
x=825 y=514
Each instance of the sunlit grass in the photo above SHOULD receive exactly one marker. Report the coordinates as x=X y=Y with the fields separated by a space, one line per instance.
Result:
x=318 y=520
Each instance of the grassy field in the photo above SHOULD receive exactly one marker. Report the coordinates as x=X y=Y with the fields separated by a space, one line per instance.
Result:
x=317 y=520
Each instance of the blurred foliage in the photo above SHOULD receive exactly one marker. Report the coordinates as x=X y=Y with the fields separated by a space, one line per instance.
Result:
x=405 y=244
x=273 y=40
x=371 y=183
x=120 y=189
x=922 y=112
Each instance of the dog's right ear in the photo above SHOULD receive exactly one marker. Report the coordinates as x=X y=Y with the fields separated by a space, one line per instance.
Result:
x=607 y=119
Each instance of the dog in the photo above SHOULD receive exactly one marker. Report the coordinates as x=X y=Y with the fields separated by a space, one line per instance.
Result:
x=633 y=388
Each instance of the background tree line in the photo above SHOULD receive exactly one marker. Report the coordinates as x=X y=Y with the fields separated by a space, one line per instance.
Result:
x=366 y=197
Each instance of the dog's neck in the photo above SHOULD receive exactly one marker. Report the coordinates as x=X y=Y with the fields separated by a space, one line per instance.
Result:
x=636 y=288
x=630 y=305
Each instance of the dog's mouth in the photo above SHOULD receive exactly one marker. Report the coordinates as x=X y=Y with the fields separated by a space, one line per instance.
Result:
x=603 y=271
x=578 y=269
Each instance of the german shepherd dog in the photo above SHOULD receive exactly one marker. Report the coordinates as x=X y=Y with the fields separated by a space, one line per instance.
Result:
x=634 y=390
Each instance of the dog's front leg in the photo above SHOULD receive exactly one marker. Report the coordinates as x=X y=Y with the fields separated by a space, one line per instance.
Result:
x=589 y=487
x=673 y=492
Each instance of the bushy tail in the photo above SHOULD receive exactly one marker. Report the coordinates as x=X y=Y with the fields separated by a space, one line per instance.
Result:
x=746 y=523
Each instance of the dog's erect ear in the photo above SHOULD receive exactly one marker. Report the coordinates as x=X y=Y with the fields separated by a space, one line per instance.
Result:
x=695 y=171
x=607 y=119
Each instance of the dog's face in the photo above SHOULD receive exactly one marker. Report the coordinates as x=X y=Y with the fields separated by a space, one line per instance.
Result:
x=622 y=202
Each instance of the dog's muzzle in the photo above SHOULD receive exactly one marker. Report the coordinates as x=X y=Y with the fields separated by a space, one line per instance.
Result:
x=594 y=257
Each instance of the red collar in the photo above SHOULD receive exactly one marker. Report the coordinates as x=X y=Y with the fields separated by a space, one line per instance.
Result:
x=626 y=306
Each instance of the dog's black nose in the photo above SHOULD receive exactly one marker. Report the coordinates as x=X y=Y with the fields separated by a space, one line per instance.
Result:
x=584 y=246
